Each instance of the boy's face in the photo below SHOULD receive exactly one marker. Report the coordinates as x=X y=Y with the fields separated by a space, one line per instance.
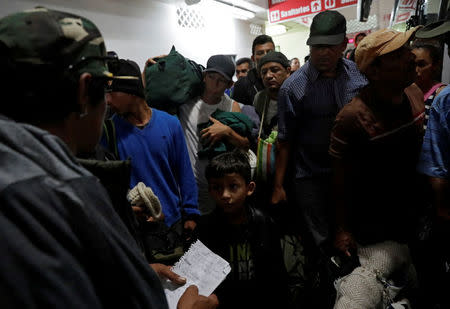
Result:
x=229 y=192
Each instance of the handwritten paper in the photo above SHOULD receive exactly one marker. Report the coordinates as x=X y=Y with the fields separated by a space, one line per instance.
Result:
x=201 y=267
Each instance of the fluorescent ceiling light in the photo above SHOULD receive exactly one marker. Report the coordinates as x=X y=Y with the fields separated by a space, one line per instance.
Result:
x=235 y=10
x=247 y=5
x=275 y=30
x=242 y=14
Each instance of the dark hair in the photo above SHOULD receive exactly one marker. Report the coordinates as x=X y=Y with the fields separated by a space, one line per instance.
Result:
x=307 y=58
x=359 y=34
x=40 y=93
x=260 y=40
x=245 y=60
x=295 y=58
x=434 y=51
x=228 y=163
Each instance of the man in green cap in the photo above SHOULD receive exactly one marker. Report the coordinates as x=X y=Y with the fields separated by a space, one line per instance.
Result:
x=308 y=103
x=62 y=244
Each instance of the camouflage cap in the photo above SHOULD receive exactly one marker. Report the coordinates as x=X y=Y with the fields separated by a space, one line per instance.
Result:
x=44 y=36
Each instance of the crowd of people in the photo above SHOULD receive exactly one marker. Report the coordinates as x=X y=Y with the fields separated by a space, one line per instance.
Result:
x=354 y=212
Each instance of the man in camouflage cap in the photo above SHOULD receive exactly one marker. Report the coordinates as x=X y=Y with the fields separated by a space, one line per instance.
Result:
x=62 y=244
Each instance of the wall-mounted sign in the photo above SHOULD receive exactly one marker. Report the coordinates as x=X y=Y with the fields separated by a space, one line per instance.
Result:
x=283 y=10
x=406 y=9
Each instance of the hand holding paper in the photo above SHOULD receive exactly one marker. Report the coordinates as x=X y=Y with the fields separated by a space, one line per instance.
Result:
x=201 y=267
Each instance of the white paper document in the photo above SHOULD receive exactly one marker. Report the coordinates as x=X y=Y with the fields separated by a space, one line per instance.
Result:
x=201 y=267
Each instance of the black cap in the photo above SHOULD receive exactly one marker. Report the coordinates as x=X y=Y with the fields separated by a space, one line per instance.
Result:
x=126 y=68
x=327 y=28
x=221 y=64
x=274 y=56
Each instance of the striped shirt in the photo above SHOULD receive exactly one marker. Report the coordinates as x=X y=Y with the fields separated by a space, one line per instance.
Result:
x=435 y=156
x=307 y=107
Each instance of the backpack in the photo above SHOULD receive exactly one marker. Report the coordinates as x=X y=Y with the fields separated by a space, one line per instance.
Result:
x=172 y=81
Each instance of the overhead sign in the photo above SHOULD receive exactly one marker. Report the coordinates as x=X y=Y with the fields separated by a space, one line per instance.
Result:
x=283 y=10
x=406 y=9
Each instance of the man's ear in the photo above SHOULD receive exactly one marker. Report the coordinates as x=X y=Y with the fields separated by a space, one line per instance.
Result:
x=230 y=83
x=251 y=188
x=83 y=91
x=204 y=76
x=343 y=45
x=288 y=69
x=253 y=59
x=372 y=72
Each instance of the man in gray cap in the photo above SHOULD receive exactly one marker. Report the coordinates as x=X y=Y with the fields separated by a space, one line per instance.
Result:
x=217 y=77
x=62 y=244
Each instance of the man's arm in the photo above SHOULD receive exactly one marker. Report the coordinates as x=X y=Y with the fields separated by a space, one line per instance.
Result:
x=345 y=131
x=281 y=162
x=343 y=238
x=435 y=156
x=286 y=127
x=185 y=178
x=218 y=131
x=441 y=189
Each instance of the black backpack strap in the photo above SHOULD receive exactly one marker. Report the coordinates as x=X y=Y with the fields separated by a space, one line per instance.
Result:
x=110 y=133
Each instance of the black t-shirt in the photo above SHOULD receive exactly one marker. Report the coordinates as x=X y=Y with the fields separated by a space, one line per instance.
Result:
x=246 y=88
x=258 y=277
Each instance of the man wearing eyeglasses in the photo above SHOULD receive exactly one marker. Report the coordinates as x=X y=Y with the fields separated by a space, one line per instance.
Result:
x=216 y=78
x=62 y=244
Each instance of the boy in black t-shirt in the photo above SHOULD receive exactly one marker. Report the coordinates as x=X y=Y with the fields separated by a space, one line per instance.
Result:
x=244 y=236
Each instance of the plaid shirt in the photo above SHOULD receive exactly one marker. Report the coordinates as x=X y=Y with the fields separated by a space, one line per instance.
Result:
x=435 y=156
x=307 y=107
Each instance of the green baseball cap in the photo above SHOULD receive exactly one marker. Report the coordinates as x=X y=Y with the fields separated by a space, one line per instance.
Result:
x=435 y=29
x=327 y=28
x=48 y=37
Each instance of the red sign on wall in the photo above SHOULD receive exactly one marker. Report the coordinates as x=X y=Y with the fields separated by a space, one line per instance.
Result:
x=283 y=10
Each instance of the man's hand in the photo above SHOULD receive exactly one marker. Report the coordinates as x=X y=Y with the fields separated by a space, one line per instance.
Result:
x=143 y=215
x=190 y=225
x=216 y=132
x=278 y=195
x=151 y=61
x=192 y=300
x=165 y=271
x=344 y=242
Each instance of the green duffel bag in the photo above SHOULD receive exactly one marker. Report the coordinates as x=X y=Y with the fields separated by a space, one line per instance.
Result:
x=172 y=81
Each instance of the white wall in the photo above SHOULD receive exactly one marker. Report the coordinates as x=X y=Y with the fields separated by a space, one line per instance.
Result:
x=293 y=44
x=139 y=29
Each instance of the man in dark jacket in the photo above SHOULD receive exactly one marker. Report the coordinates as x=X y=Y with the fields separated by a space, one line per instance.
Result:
x=62 y=244
x=246 y=87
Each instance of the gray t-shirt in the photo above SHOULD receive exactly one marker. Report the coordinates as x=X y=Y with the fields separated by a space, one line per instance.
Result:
x=191 y=114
